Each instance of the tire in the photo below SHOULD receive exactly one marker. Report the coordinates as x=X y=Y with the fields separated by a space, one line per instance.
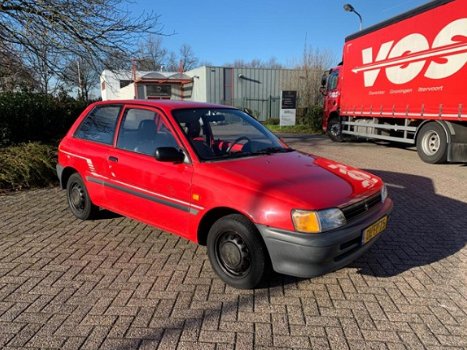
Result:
x=78 y=198
x=334 y=130
x=432 y=143
x=237 y=252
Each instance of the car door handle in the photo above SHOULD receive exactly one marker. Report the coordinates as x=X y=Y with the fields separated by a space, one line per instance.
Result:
x=113 y=159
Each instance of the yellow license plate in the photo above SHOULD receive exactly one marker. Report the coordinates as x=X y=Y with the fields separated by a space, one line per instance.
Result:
x=372 y=231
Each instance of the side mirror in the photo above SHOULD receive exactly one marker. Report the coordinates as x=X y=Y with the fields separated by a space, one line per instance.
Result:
x=323 y=91
x=169 y=154
x=324 y=79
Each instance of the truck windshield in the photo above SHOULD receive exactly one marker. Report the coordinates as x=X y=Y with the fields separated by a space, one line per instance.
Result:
x=222 y=133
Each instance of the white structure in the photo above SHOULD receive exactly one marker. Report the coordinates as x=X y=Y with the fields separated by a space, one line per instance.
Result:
x=143 y=85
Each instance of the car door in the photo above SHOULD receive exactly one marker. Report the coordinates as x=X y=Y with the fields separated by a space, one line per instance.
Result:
x=142 y=187
x=90 y=146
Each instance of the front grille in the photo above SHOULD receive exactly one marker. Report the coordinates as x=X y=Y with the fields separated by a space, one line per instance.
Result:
x=361 y=207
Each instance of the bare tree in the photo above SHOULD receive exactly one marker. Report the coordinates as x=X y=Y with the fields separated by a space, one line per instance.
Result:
x=14 y=75
x=188 y=60
x=78 y=74
x=272 y=63
x=314 y=63
x=256 y=63
x=40 y=62
x=151 y=54
x=172 y=64
x=91 y=30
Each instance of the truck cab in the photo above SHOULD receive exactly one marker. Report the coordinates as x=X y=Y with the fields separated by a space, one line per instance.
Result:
x=331 y=90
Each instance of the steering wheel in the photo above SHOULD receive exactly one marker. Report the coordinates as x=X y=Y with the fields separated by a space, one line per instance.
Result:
x=241 y=138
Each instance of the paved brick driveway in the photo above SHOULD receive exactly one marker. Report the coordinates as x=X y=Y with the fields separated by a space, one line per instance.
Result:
x=117 y=284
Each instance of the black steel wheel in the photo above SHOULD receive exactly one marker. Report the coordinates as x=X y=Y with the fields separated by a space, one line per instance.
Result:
x=237 y=252
x=78 y=198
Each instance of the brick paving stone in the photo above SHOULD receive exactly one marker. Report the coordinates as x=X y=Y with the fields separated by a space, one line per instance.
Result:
x=183 y=345
x=118 y=284
x=287 y=341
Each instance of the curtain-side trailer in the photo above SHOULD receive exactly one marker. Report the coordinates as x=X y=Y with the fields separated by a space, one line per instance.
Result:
x=404 y=80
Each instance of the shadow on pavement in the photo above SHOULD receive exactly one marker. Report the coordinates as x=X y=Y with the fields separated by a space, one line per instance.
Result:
x=106 y=215
x=425 y=227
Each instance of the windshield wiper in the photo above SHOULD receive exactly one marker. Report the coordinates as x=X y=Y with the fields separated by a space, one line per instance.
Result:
x=271 y=150
x=268 y=150
x=233 y=155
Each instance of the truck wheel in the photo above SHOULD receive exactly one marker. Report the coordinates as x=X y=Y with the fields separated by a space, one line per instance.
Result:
x=335 y=130
x=432 y=143
x=78 y=198
x=236 y=252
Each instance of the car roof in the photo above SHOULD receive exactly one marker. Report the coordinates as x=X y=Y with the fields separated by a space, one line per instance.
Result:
x=167 y=105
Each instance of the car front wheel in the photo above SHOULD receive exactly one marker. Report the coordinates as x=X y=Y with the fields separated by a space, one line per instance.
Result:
x=78 y=198
x=236 y=252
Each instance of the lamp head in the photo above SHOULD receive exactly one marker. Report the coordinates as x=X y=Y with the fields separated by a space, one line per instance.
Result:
x=349 y=8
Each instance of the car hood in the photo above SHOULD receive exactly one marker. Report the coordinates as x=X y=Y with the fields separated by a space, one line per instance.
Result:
x=303 y=180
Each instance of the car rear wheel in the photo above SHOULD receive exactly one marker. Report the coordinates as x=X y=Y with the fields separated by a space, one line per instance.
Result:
x=78 y=198
x=237 y=253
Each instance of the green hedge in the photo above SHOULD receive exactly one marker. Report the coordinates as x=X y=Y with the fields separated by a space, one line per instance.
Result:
x=27 y=165
x=312 y=117
x=26 y=117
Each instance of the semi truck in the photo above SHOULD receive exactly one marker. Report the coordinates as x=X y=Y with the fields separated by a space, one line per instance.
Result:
x=404 y=80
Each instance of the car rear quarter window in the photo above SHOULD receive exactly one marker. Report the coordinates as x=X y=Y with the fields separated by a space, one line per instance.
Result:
x=99 y=125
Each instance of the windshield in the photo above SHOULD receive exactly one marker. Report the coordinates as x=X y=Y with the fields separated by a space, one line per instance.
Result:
x=221 y=133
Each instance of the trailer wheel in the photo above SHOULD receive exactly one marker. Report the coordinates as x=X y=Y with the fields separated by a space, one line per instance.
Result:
x=432 y=143
x=335 y=130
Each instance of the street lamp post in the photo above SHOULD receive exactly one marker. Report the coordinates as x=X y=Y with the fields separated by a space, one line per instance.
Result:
x=350 y=8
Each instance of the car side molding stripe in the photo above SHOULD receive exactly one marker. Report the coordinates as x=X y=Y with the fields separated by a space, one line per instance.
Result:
x=155 y=199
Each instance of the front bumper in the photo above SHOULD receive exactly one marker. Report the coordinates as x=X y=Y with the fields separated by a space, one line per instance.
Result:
x=308 y=255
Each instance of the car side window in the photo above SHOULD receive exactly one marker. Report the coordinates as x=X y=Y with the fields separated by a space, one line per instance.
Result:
x=99 y=125
x=143 y=131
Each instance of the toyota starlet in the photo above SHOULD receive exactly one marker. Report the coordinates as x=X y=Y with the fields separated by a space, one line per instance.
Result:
x=216 y=176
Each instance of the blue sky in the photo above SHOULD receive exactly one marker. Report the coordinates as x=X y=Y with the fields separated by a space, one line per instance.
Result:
x=221 y=31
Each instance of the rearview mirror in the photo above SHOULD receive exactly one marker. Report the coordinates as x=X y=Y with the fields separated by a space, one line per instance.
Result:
x=323 y=91
x=169 y=154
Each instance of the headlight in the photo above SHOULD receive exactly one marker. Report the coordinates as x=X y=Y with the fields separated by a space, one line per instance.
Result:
x=317 y=221
x=384 y=193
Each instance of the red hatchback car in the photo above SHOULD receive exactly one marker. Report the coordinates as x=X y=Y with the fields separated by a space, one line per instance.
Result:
x=216 y=176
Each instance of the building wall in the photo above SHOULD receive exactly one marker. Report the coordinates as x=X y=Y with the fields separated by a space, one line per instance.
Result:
x=257 y=89
x=215 y=85
x=112 y=84
x=127 y=93
x=199 y=86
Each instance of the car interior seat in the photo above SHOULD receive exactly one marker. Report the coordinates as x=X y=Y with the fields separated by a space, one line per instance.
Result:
x=194 y=135
x=147 y=136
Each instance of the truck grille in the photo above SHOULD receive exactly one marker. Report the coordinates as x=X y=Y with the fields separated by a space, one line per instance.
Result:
x=361 y=207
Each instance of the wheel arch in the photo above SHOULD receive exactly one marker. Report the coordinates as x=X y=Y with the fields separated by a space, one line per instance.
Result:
x=333 y=115
x=210 y=218
x=66 y=173
x=447 y=127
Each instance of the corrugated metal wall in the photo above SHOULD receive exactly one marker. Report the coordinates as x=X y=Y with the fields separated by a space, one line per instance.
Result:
x=255 y=88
